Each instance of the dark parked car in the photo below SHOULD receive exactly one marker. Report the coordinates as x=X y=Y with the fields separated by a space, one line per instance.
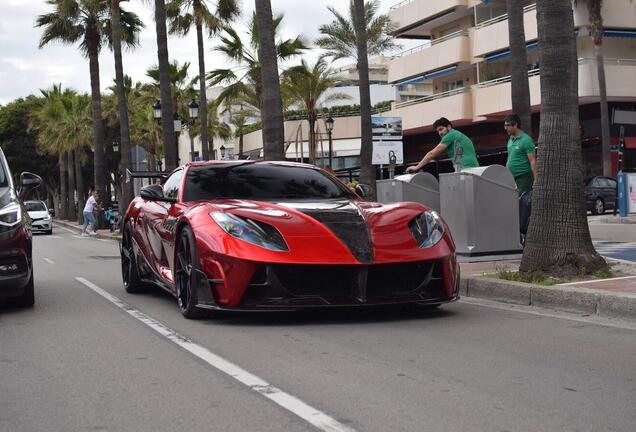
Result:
x=16 y=264
x=600 y=194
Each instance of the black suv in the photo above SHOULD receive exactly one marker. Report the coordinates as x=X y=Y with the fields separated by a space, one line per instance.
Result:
x=600 y=194
x=16 y=264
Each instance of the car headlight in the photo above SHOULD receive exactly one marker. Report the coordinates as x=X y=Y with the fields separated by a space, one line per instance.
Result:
x=427 y=229
x=251 y=231
x=10 y=216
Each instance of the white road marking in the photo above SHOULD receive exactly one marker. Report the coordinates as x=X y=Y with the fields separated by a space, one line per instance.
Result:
x=66 y=229
x=599 y=280
x=48 y=260
x=606 y=322
x=311 y=415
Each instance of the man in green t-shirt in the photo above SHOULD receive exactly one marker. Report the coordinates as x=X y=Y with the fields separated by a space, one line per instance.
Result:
x=522 y=156
x=452 y=140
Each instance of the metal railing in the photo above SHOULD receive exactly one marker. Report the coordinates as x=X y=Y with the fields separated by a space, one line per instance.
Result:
x=400 y=4
x=432 y=97
x=503 y=17
x=610 y=61
x=496 y=81
x=432 y=43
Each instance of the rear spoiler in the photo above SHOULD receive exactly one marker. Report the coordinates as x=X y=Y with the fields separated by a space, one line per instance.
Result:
x=145 y=174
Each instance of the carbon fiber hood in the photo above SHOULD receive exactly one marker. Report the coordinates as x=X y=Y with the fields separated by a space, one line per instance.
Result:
x=345 y=220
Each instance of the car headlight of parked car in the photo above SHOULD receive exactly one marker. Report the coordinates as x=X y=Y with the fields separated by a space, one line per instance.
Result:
x=10 y=216
x=427 y=229
x=248 y=230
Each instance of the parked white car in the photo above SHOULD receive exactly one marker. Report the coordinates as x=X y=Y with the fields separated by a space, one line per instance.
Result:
x=40 y=216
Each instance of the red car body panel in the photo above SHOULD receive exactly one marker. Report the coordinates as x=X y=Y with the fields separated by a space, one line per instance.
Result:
x=231 y=263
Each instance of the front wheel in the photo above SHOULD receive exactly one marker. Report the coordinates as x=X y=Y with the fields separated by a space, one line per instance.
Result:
x=187 y=263
x=27 y=299
x=599 y=207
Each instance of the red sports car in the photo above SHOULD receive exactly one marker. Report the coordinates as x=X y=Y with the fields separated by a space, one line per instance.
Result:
x=248 y=235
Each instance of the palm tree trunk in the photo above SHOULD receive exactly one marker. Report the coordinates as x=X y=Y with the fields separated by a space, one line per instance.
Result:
x=594 y=8
x=79 y=182
x=520 y=90
x=63 y=209
x=311 y=118
x=212 y=147
x=272 y=112
x=167 y=107
x=241 y=145
x=72 y=213
x=558 y=239
x=367 y=170
x=96 y=108
x=203 y=98
x=124 y=127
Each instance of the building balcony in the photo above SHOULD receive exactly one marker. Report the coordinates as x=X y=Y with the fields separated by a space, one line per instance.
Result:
x=415 y=18
x=419 y=114
x=617 y=14
x=492 y=98
x=441 y=53
x=492 y=35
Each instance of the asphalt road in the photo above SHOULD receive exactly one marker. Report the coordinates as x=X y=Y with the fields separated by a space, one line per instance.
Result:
x=82 y=360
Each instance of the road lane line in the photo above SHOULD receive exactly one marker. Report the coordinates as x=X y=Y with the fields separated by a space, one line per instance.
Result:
x=599 y=280
x=66 y=229
x=48 y=260
x=285 y=400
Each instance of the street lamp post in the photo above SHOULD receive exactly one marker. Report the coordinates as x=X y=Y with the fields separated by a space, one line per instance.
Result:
x=156 y=112
x=222 y=148
x=329 y=124
x=193 y=111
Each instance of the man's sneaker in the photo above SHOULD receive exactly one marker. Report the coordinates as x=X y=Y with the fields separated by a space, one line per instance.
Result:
x=92 y=234
x=84 y=235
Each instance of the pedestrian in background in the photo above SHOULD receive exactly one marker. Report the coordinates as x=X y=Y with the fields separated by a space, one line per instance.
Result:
x=451 y=141
x=522 y=156
x=90 y=216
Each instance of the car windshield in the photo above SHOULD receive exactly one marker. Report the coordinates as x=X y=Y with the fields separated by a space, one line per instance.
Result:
x=34 y=206
x=262 y=182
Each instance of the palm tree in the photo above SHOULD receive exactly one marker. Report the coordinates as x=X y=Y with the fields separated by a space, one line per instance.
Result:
x=124 y=126
x=88 y=22
x=558 y=239
x=272 y=112
x=167 y=108
x=520 y=90
x=307 y=86
x=367 y=170
x=181 y=15
x=238 y=119
x=180 y=87
x=243 y=82
x=339 y=36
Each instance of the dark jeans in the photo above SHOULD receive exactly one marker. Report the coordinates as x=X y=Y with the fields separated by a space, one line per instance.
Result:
x=524 y=182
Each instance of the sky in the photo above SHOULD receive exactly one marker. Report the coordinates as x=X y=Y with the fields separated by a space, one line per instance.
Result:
x=24 y=68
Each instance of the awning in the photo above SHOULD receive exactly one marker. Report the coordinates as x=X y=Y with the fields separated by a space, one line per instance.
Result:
x=415 y=80
x=340 y=148
x=628 y=34
x=439 y=73
x=506 y=53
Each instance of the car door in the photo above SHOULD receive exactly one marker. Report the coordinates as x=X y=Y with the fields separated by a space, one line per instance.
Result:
x=610 y=192
x=159 y=223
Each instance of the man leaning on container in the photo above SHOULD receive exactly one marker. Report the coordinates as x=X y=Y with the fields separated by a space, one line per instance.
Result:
x=522 y=157
x=453 y=142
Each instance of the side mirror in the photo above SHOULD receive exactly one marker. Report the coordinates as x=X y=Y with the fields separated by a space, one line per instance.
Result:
x=28 y=183
x=364 y=190
x=51 y=212
x=152 y=193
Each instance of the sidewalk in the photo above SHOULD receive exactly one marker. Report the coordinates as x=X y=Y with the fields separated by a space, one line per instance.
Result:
x=612 y=298
x=103 y=233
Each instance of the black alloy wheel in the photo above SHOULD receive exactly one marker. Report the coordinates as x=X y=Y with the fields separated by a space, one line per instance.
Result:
x=599 y=207
x=187 y=263
x=129 y=273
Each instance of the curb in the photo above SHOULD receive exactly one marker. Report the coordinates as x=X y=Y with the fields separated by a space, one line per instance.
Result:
x=583 y=301
x=77 y=228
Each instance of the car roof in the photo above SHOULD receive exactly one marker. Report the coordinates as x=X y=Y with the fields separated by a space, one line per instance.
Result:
x=247 y=162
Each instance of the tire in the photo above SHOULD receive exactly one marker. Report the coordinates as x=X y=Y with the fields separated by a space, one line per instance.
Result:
x=129 y=272
x=49 y=232
x=598 y=207
x=27 y=299
x=186 y=262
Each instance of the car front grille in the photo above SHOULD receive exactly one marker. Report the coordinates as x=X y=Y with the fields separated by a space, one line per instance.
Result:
x=316 y=285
